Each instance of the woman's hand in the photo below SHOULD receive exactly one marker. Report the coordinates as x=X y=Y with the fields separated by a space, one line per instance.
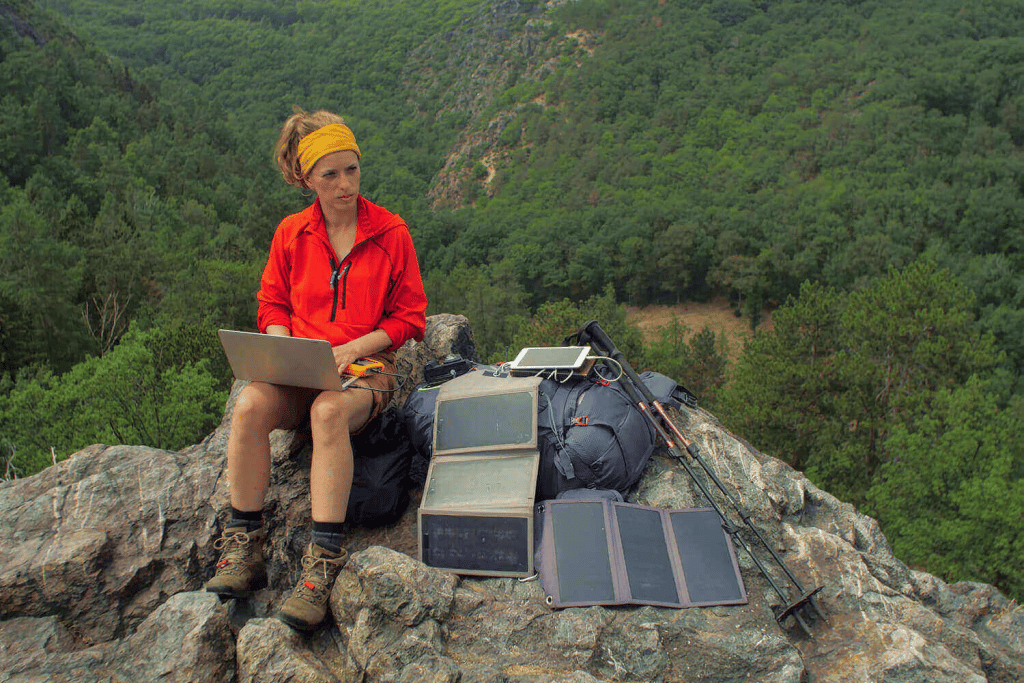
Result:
x=363 y=347
x=344 y=356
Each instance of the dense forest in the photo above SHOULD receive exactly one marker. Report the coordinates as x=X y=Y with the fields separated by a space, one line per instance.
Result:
x=856 y=166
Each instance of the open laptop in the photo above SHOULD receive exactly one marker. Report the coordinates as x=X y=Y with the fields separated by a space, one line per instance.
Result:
x=291 y=361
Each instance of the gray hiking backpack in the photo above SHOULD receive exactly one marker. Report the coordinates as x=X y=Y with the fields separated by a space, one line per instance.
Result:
x=589 y=433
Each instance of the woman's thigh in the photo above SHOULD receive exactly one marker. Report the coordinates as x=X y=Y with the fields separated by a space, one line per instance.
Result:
x=334 y=410
x=272 y=405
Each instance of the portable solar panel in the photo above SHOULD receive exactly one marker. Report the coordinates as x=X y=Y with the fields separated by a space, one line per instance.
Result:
x=488 y=542
x=599 y=552
x=477 y=413
x=476 y=516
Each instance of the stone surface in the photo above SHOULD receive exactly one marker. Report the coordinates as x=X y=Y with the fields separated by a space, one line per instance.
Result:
x=104 y=557
x=186 y=639
x=271 y=652
x=403 y=589
x=103 y=538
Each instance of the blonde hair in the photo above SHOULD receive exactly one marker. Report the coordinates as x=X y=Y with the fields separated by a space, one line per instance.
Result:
x=299 y=125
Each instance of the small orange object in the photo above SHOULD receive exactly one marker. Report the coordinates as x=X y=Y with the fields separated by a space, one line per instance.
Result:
x=363 y=366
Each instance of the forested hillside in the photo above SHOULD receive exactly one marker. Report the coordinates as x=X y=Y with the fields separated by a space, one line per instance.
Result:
x=857 y=163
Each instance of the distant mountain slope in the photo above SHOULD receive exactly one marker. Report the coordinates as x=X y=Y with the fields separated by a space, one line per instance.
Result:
x=671 y=150
x=23 y=18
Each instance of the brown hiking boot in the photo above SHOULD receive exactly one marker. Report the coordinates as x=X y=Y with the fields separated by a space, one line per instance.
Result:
x=240 y=570
x=307 y=607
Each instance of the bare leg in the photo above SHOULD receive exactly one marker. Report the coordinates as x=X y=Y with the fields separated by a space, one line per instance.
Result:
x=260 y=409
x=333 y=416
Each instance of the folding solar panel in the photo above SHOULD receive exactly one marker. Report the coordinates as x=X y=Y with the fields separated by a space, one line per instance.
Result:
x=476 y=516
x=601 y=552
x=489 y=542
x=477 y=413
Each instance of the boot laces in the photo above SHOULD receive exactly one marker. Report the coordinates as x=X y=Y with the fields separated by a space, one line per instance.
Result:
x=317 y=576
x=235 y=552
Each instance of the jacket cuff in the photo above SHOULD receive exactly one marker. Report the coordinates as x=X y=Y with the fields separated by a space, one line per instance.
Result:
x=400 y=330
x=266 y=321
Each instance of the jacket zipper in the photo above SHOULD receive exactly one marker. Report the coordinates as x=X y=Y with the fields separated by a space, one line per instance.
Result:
x=336 y=275
x=344 y=284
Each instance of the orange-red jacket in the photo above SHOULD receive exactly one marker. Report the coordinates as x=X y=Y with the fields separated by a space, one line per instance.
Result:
x=376 y=286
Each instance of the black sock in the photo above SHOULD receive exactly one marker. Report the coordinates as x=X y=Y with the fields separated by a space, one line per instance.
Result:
x=250 y=520
x=329 y=535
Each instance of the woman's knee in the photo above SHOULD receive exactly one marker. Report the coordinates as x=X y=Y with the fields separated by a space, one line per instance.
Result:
x=258 y=403
x=333 y=410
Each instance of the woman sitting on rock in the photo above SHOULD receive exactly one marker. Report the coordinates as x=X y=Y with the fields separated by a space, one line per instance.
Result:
x=343 y=270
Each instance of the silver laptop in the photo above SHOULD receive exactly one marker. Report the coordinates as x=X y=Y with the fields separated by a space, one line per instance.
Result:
x=291 y=361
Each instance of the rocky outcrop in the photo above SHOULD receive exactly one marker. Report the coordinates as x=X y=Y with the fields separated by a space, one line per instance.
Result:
x=27 y=20
x=10 y=15
x=104 y=556
x=507 y=42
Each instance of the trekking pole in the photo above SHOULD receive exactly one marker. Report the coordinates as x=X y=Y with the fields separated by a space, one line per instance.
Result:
x=591 y=333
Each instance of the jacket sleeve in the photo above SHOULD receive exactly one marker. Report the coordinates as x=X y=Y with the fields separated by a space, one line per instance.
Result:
x=405 y=304
x=274 y=296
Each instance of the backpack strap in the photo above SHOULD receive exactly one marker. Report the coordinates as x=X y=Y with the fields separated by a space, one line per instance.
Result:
x=561 y=399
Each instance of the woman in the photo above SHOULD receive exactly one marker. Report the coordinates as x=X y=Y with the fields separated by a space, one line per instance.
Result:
x=343 y=270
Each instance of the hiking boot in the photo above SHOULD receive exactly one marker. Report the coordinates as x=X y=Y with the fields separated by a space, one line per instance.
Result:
x=306 y=609
x=241 y=569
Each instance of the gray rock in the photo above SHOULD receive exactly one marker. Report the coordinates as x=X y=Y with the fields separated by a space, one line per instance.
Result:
x=403 y=589
x=446 y=334
x=103 y=556
x=103 y=538
x=186 y=639
x=431 y=670
x=271 y=652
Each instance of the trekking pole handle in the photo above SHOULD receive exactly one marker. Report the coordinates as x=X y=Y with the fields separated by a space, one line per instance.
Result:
x=592 y=333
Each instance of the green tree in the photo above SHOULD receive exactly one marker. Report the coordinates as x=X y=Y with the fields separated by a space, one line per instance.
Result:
x=839 y=372
x=489 y=297
x=784 y=388
x=697 y=361
x=144 y=392
x=39 y=279
x=951 y=496
x=555 y=321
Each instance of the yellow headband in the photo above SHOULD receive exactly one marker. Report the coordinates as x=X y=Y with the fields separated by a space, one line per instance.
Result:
x=334 y=137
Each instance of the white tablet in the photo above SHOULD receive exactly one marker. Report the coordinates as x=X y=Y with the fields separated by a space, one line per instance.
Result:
x=550 y=358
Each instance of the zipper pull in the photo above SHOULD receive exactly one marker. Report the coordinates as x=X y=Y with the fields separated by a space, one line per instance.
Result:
x=338 y=274
x=334 y=273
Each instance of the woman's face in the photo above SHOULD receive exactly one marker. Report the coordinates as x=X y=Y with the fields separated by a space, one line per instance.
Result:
x=335 y=179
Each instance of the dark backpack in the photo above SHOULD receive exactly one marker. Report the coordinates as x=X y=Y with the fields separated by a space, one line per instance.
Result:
x=590 y=435
x=381 y=471
x=589 y=432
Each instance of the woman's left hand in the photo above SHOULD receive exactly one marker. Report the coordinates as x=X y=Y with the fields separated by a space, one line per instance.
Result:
x=363 y=347
x=344 y=356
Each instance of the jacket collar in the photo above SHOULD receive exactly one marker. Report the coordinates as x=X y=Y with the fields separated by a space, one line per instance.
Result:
x=365 y=228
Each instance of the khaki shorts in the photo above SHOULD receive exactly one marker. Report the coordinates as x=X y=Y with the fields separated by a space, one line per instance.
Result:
x=381 y=386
